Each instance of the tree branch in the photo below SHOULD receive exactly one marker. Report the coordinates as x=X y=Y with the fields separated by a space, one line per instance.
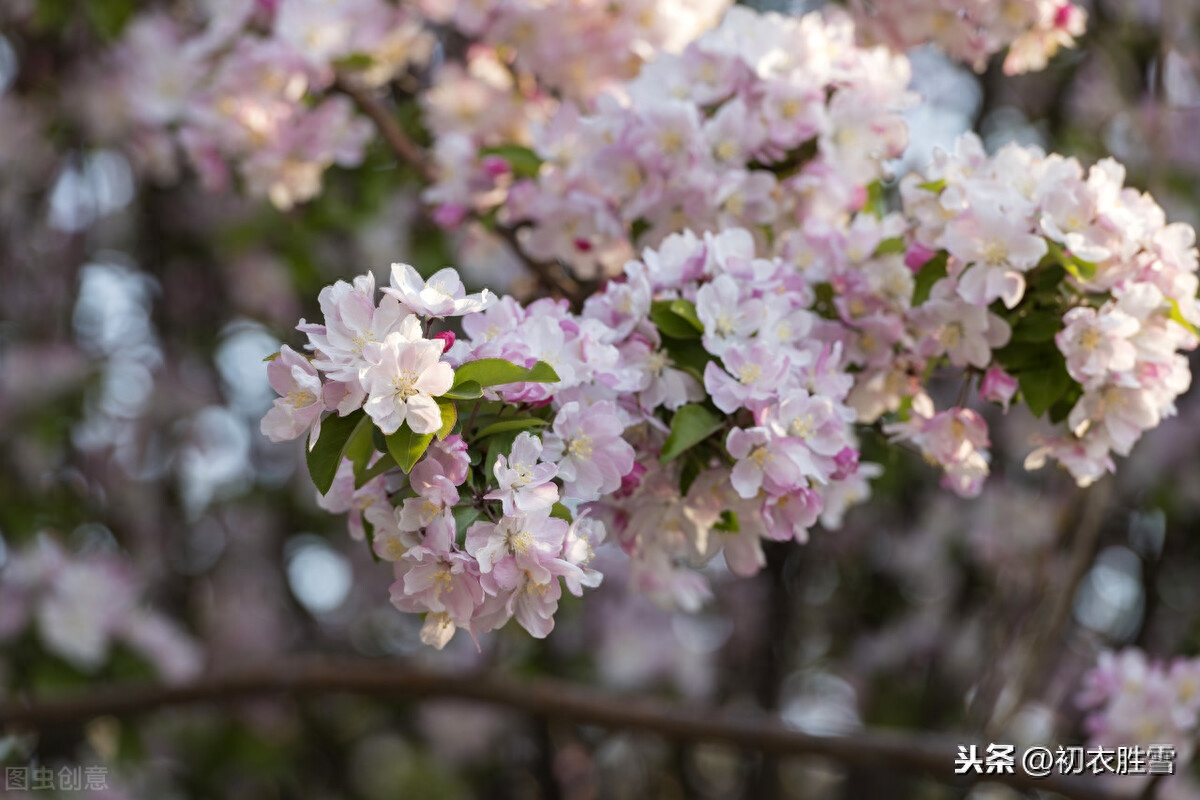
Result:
x=548 y=698
x=551 y=276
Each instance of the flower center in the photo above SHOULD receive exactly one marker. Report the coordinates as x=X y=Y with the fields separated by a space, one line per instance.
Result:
x=405 y=384
x=581 y=447
x=759 y=456
x=952 y=334
x=995 y=252
x=1089 y=339
x=519 y=543
x=299 y=398
x=803 y=427
x=749 y=373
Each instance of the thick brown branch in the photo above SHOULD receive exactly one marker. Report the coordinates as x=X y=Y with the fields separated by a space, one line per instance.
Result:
x=546 y=698
x=552 y=277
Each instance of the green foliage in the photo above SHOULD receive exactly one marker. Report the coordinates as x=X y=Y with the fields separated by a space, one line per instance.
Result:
x=325 y=455
x=692 y=424
x=676 y=319
x=892 y=246
x=933 y=271
x=516 y=425
x=407 y=447
x=467 y=390
x=497 y=371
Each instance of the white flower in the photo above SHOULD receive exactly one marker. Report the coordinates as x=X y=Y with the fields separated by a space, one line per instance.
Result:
x=442 y=296
x=402 y=382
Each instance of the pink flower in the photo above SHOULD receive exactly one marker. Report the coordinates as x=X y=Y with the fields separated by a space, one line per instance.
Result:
x=757 y=376
x=998 y=387
x=1097 y=343
x=588 y=446
x=442 y=296
x=518 y=544
x=402 y=382
x=761 y=463
x=300 y=406
x=524 y=484
x=437 y=578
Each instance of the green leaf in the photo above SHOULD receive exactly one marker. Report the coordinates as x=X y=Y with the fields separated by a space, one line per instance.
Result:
x=690 y=471
x=1176 y=315
x=560 y=511
x=325 y=455
x=408 y=447
x=1082 y=270
x=876 y=199
x=1037 y=326
x=891 y=246
x=1018 y=357
x=932 y=272
x=728 y=522
x=449 y=417
x=498 y=445
x=670 y=323
x=385 y=463
x=464 y=516
x=361 y=446
x=108 y=17
x=354 y=62
x=686 y=309
x=692 y=424
x=541 y=372
x=517 y=424
x=524 y=162
x=688 y=355
x=468 y=390
x=369 y=530
x=1043 y=387
x=933 y=186
x=496 y=371
x=637 y=228
x=1062 y=407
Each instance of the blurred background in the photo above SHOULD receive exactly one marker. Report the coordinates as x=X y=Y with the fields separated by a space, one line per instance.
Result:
x=136 y=307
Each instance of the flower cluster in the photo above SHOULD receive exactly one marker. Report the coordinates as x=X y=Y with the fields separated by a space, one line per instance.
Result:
x=576 y=49
x=473 y=544
x=246 y=92
x=515 y=447
x=1065 y=279
x=973 y=31
x=81 y=606
x=1134 y=699
x=762 y=123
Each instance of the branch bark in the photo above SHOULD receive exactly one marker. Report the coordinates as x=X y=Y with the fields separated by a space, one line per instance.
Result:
x=548 y=698
x=551 y=276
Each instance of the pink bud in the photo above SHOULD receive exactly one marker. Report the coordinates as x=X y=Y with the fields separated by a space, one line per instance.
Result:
x=495 y=166
x=998 y=387
x=1062 y=17
x=918 y=255
x=447 y=338
x=450 y=215
x=847 y=464
x=632 y=481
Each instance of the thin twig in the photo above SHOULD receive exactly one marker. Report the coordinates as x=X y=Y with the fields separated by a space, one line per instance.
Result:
x=546 y=698
x=551 y=276
x=405 y=148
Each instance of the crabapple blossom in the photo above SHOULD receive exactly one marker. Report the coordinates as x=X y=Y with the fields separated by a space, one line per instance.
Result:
x=441 y=296
x=402 y=380
x=301 y=401
x=524 y=484
x=586 y=445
